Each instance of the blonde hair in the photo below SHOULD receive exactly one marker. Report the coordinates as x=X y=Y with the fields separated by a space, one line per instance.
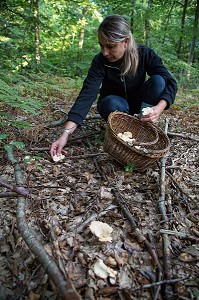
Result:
x=115 y=28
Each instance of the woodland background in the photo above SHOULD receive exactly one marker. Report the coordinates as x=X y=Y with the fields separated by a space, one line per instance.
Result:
x=46 y=47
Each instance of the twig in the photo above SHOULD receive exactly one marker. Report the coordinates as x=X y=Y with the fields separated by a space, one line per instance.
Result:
x=148 y=286
x=183 y=136
x=180 y=189
x=102 y=174
x=179 y=234
x=136 y=232
x=94 y=216
x=65 y=289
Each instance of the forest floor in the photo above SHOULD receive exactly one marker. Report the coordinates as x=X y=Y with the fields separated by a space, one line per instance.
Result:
x=66 y=196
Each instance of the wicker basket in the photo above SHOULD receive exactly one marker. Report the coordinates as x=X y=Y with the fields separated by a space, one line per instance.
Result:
x=152 y=141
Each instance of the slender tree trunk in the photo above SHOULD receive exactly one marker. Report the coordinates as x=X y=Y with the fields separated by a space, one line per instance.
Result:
x=37 y=37
x=82 y=33
x=147 y=24
x=193 y=40
x=182 y=27
x=167 y=21
x=194 y=36
x=132 y=15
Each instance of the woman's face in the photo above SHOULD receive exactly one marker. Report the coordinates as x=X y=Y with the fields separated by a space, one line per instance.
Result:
x=113 y=51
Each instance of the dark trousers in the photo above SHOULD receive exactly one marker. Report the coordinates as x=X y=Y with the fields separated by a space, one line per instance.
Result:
x=148 y=95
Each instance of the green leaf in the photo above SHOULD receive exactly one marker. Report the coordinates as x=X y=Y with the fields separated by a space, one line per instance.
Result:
x=7 y=148
x=3 y=136
x=17 y=144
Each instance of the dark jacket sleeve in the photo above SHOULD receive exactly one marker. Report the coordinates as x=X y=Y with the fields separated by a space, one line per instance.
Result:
x=155 y=66
x=88 y=93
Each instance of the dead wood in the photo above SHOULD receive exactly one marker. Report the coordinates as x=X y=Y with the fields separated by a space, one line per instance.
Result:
x=136 y=232
x=182 y=191
x=162 y=208
x=8 y=195
x=102 y=174
x=182 y=136
x=179 y=234
x=64 y=287
x=17 y=189
x=158 y=283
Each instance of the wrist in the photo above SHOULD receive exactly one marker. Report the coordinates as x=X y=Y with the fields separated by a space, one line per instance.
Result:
x=162 y=104
x=67 y=131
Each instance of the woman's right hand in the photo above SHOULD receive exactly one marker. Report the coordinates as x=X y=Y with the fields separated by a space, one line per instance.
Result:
x=58 y=145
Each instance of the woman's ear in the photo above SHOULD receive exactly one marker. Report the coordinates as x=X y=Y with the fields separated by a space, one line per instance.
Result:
x=126 y=41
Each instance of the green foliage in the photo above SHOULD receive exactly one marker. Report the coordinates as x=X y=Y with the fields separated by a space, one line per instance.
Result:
x=17 y=94
x=129 y=167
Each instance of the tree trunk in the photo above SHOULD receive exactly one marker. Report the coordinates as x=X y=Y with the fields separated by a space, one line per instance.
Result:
x=82 y=33
x=194 y=36
x=147 y=24
x=167 y=21
x=132 y=15
x=182 y=27
x=37 y=38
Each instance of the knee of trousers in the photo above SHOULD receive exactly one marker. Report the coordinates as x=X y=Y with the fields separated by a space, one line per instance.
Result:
x=158 y=81
x=112 y=103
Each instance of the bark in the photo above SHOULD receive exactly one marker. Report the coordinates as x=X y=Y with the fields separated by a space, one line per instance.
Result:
x=167 y=21
x=82 y=33
x=194 y=36
x=132 y=15
x=147 y=24
x=64 y=287
x=182 y=26
x=37 y=37
x=162 y=208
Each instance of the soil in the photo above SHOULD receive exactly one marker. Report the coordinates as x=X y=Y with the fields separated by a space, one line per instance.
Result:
x=65 y=197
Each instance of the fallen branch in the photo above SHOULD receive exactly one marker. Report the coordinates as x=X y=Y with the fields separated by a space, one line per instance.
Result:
x=65 y=288
x=136 y=232
x=181 y=190
x=8 y=195
x=162 y=208
x=171 y=281
x=182 y=136
x=179 y=234
x=17 y=189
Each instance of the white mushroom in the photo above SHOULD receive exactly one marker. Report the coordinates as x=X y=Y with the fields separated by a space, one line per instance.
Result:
x=102 y=271
x=57 y=158
x=126 y=137
x=101 y=230
x=147 y=111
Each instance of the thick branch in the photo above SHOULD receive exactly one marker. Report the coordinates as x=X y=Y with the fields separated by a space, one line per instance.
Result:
x=17 y=189
x=65 y=288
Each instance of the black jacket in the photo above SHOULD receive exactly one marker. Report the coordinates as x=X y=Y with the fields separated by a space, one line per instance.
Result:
x=104 y=78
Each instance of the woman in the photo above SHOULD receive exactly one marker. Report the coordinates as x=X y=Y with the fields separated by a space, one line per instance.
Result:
x=118 y=73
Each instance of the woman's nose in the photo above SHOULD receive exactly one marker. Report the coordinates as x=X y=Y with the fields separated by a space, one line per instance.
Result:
x=105 y=52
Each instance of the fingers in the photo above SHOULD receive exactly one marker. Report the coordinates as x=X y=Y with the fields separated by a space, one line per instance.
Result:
x=152 y=117
x=53 y=150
